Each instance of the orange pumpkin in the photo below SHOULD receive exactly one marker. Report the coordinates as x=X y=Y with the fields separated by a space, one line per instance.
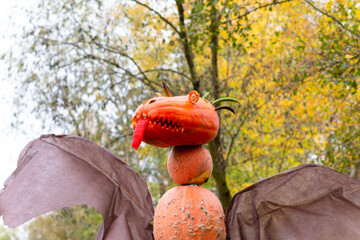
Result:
x=190 y=164
x=173 y=121
x=189 y=212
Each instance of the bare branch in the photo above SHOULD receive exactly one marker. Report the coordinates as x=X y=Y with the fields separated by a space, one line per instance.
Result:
x=255 y=9
x=214 y=44
x=59 y=66
x=184 y=39
x=168 y=70
x=123 y=54
x=113 y=50
x=333 y=18
x=187 y=46
x=222 y=11
x=145 y=80
x=234 y=136
x=158 y=14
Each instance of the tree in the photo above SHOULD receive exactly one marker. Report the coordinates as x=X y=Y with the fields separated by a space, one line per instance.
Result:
x=6 y=234
x=80 y=222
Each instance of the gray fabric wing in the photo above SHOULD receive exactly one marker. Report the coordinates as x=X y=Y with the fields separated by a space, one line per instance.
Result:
x=306 y=202
x=63 y=171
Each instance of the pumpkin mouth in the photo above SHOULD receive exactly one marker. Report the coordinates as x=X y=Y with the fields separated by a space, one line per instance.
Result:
x=168 y=124
x=162 y=123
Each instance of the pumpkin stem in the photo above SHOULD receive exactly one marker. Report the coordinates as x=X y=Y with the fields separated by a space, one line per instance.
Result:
x=225 y=107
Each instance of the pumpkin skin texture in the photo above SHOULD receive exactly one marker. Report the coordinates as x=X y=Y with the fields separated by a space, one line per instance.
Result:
x=174 y=121
x=189 y=212
x=190 y=165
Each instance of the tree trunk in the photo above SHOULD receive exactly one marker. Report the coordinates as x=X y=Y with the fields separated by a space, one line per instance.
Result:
x=189 y=56
x=219 y=171
x=216 y=145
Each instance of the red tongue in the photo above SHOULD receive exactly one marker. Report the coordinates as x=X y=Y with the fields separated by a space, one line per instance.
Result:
x=139 y=132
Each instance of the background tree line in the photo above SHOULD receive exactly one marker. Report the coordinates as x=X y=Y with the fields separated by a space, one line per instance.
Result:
x=292 y=64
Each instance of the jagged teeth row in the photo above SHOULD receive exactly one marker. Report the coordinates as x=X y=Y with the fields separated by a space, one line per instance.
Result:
x=167 y=123
x=164 y=123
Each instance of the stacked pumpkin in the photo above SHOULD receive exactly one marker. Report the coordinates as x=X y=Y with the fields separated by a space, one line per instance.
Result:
x=184 y=123
x=189 y=211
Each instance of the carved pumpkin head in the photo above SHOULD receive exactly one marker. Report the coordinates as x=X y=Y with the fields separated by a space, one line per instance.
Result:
x=173 y=121
x=181 y=120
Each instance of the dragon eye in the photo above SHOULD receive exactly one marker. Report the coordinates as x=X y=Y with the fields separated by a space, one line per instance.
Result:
x=193 y=96
x=152 y=100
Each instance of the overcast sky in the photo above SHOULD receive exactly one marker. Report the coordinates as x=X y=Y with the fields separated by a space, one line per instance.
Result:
x=12 y=141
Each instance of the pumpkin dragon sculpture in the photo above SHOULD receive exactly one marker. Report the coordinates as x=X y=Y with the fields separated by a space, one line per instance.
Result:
x=175 y=120
x=62 y=171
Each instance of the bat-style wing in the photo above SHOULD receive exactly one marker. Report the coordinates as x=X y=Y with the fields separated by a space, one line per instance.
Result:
x=306 y=202
x=63 y=171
